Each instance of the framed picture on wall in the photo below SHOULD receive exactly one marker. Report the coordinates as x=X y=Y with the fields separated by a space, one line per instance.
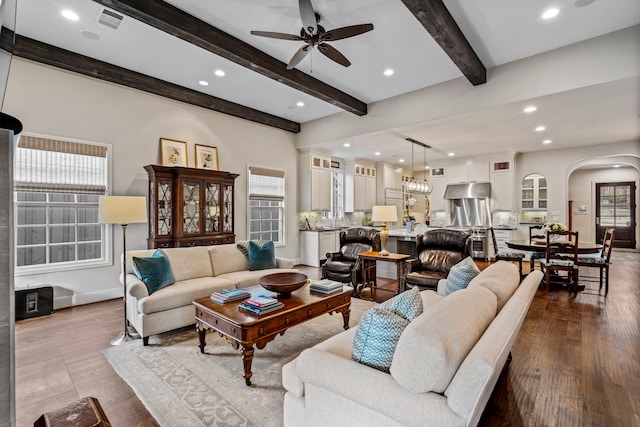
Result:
x=174 y=153
x=206 y=157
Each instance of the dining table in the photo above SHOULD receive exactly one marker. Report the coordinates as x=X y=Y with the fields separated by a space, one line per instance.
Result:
x=541 y=246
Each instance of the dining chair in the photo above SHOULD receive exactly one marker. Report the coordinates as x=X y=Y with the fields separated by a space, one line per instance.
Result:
x=516 y=257
x=535 y=232
x=560 y=263
x=602 y=261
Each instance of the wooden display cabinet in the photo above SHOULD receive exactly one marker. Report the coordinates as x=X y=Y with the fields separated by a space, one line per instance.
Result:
x=190 y=207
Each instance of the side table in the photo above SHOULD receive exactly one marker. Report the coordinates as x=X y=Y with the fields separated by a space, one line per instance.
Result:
x=368 y=264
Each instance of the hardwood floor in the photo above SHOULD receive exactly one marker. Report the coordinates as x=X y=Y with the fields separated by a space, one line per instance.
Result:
x=576 y=361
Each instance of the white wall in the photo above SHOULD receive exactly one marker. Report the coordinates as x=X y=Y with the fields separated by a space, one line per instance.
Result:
x=582 y=190
x=60 y=103
x=558 y=165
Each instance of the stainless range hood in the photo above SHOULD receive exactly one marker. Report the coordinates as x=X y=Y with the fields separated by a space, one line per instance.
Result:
x=469 y=204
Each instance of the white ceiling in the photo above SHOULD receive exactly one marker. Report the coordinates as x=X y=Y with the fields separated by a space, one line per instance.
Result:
x=500 y=31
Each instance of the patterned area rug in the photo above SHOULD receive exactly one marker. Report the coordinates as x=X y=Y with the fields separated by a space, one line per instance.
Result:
x=182 y=387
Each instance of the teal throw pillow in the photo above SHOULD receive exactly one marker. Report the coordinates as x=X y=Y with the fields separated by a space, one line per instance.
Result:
x=460 y=275
x=407 y=305
x=376 y=338
x=154 y=271
x=243 y=246
x=261 y=257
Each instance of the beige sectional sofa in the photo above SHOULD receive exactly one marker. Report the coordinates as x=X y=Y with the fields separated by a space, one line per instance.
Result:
x=444 y=367
x=198 y=272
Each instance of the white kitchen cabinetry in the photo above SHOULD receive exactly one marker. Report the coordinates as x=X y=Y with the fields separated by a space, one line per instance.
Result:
x=314 y=246
x=436 y=198
x=502 y=188
x=467 y=172
x=314 y=181
x=360 y=186
x=502 y=236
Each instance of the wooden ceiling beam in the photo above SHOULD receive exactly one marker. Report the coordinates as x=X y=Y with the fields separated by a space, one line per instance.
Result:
x=34 y=50
x=436 y=19
x=173 y=21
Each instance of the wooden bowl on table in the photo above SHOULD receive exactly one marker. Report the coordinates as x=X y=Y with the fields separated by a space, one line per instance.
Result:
x=283 y=283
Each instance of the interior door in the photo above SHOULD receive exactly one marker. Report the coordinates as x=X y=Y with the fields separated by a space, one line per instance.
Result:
x=616 y=207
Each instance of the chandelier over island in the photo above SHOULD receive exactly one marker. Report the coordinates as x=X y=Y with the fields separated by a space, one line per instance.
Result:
x=413 y=185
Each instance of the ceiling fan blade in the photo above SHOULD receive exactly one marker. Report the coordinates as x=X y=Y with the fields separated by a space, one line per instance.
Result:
x=308 y=16
x=273 y=35
x=298 y=56
x=344 y=32
x=333 y=54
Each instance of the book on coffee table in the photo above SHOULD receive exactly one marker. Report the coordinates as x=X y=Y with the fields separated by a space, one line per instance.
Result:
x=260 y=310
x=228 y=295
x=325 y=286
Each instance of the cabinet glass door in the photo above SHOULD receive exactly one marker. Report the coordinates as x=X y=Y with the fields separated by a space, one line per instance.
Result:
x=228 y=208
x=164 y=219
x=212 y=207
x=191 y=208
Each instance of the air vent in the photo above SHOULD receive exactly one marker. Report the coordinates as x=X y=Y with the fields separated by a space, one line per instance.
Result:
x=110 y=19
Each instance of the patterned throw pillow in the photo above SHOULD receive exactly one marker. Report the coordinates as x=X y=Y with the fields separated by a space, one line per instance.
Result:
x=407 y=305
x=261 y=257
x=380 y=328
x=154 y=271
x=376 y=338
x=460 y=275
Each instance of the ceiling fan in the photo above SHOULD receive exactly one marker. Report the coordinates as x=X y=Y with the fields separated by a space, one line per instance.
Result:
x=314 y=35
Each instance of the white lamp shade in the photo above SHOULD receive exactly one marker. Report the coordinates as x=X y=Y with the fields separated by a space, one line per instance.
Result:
x=122 y=209
x=384 y=214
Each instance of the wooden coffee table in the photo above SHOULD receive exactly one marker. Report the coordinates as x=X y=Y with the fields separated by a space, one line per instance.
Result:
x=244 y=329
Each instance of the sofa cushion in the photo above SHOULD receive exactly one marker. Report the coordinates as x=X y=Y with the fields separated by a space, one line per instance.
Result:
x=502 y=278
x=429 y=298
x=182 y=294
x=189 y=263
x=376 y=338
x=261 y=257
x=154 y=271
x=226 y=259
x=460 y=275
x=432 y=347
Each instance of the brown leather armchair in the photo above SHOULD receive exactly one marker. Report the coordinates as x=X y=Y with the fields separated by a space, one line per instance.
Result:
x=438 y=250
x=344 y=266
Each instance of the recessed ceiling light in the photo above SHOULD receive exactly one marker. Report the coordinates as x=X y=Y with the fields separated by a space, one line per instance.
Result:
x=203 y=83
x=582 y=3
x=388 y=72
x=546 y=141
x=451 y=154
x=550 y=13
x=377 y=153
x=346 y=144
x=299 y=104
x=540 y=129
x=616 y=166
x=90 y=35
x=530 y=109
x=219 y=73
x=401 y=160
x=426 y=167
x=70 y=15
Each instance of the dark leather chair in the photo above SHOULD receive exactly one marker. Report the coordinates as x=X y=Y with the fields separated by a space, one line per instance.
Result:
x=438 y=250
x=344 y=266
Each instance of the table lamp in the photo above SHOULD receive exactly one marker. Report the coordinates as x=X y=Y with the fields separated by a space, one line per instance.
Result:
x=384 y=214
x=123 y=210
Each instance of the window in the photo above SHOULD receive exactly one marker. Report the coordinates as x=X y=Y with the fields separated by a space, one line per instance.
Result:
x=56 y=189
x=266 y=204
x=337 y=195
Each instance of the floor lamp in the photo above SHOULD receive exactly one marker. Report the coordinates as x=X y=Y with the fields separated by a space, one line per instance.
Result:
x=123 y=210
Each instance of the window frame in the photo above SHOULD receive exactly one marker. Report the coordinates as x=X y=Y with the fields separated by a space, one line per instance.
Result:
x=283 y=242
x=106 y=230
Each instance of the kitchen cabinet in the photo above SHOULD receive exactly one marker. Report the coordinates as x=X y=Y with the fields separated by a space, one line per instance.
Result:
x=502 y=236
x=190 y=207
x=314 y=181
x=360 y=186
x=314 y=246
x=534 y=192
x=467 y=172
x=502 y=187
x=436 y=198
